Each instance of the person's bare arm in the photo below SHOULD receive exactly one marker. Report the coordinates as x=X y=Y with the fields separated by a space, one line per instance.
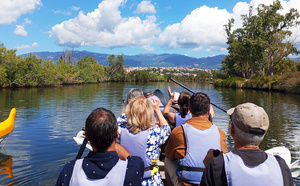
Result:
x=212 y=112
x=168 y=105
x=161 y=119
x=122 y=152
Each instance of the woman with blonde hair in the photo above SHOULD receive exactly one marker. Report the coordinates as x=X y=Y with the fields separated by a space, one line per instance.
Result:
x=142 y=137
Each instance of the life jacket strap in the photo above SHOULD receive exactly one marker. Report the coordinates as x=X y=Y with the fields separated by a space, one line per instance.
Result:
x=194 y=169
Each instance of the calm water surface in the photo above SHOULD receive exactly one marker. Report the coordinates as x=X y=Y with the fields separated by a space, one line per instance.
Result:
x=48 y=118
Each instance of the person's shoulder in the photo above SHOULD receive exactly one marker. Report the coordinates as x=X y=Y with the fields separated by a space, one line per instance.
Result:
x=135 y=171
x=285 y=170
x=66 y=173
x=221 y=131
x=135 y=161
x=69 y=165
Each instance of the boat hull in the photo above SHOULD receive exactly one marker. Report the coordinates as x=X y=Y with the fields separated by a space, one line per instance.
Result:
x=7 y=126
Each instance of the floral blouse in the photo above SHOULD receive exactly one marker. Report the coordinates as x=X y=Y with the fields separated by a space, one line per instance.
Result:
x=157 y=136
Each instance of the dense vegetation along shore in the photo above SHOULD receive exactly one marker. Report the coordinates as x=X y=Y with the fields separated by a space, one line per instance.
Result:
x=35 y=72
x=31 y=71
x=288 y=82
x=258 y=57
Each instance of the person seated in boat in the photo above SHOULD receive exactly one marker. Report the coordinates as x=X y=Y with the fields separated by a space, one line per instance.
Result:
x=180 y=117
x=246 y=164
x=149 y=95
x=188 y=144
x=142 y=137
x=134 y=92
x=109 y=163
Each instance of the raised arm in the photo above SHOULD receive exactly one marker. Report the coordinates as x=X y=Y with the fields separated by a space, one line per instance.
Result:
x=161 y=119
x=168 y=105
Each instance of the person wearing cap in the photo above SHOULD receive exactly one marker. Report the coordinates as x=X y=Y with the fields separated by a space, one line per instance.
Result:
x=149 y=95
x=246 y=164
x=188 y=144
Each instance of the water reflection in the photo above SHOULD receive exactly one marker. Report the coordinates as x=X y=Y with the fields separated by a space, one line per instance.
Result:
x=6 y=162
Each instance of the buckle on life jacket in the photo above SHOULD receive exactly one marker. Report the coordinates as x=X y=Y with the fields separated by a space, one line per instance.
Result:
x=153 y=167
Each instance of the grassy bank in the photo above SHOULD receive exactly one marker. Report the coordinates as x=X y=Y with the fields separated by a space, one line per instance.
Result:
x=289 y=82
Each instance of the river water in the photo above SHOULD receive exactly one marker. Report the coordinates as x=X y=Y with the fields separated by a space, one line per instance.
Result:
x=48 y=118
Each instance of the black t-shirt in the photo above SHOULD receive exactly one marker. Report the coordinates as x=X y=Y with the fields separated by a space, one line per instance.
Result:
x=214 y=174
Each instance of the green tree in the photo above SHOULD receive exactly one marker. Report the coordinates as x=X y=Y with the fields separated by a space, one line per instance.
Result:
x=252 y=46
x=277 y=51
x=115 y=71
x=90 y=71
x=8 y=62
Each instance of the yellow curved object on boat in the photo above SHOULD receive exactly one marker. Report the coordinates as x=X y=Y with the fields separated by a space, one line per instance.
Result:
x=8 y=125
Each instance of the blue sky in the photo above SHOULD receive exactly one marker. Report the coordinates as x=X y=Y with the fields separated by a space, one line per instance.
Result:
x=193 y=27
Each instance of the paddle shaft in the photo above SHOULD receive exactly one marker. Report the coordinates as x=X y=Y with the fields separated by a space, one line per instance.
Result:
x=169 y=78
x=81 y=149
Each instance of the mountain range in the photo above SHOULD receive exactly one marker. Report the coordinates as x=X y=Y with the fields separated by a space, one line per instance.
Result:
x=143 y=60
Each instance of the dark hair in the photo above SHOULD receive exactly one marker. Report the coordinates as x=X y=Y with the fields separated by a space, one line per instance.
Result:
x=199 y=104
x=184 y=102
x=101 y=128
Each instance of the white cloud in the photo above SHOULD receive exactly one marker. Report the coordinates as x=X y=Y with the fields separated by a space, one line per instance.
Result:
x=20 y=30
x=145 y=7
x=105 y=27
x=11 y=10
x=203 y=28
x=26 y=47
x=27 y=21
x=75 y=8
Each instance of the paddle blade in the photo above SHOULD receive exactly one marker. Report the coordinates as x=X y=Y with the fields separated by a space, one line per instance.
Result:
x=281 y=151
x=295 y=168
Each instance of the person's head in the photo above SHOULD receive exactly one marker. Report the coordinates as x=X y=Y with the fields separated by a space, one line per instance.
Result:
x=134 y=92
x=199 y=104
x=140 y=114
x=148 y=93
x=250 y=123
x=101 y=129
x=184 y=102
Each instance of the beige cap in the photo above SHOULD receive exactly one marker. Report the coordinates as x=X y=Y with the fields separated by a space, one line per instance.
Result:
x=250 y=118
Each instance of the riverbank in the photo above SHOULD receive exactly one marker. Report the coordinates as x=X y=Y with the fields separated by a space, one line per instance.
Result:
x=289 y=82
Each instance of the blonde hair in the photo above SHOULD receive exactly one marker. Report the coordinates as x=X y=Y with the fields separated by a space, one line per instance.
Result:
x=140 y=114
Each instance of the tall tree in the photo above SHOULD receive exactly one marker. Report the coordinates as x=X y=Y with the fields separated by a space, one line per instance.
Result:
x=261 y=33
x=115 y=70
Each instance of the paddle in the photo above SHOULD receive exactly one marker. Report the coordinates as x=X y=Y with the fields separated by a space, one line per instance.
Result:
x=295 y=168
x=169 y=78
x=83 y=143
x=81 y=149
x=161 y=96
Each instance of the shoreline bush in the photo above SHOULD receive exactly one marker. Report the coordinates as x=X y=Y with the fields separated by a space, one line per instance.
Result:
x=288 y=82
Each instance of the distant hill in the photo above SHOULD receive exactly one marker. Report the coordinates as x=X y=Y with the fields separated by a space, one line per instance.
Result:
x=143 y=60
